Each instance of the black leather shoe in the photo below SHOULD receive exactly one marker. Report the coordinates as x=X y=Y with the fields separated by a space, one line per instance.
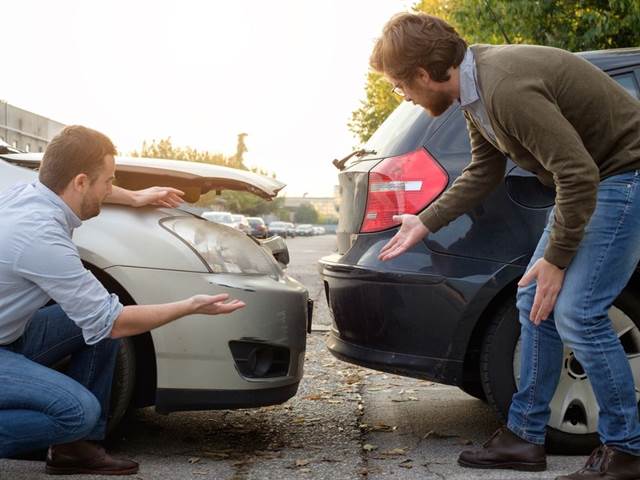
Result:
x=506 y=450
x=87 y=458
x=606 y=463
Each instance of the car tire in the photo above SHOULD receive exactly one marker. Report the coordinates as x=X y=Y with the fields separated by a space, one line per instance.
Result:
x=499 y=355
x=124 y=380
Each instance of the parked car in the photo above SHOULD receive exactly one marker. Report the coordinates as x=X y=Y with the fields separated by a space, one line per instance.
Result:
x=258 y=227
x=241 y=223
x=156 y=255
x=304 y=229
x=291 y=229
x=280 y=228
x=222 y=218
x=6 y=148
x=445 y=310
x=318 y=231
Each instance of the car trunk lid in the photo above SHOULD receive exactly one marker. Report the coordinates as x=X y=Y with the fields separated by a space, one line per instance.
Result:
x=194 y=178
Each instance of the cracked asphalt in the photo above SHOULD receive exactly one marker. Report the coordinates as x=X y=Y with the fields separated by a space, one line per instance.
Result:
x=345 y=422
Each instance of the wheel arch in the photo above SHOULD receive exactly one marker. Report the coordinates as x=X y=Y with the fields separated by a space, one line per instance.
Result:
x=144 y=393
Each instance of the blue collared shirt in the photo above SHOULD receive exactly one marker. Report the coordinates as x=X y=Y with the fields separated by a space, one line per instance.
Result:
x=39 y=262
x=470 y=100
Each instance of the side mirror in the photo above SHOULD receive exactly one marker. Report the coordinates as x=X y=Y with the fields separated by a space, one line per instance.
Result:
x=278 y=248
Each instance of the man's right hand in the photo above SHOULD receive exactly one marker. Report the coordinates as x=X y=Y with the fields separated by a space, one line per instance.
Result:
x=411 y=232
x=215 y=304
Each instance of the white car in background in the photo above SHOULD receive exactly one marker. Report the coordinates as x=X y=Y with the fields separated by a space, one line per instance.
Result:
x=251 y=358
x=223 y=218
x=241 y=223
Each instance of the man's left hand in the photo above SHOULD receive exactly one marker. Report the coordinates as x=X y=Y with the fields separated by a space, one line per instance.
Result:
x=158 y=196
x=549 y=280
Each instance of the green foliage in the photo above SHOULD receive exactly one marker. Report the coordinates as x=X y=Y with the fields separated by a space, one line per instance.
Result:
x=306 y=213
x=240 y=202
x=379 y=103
x=575 y=25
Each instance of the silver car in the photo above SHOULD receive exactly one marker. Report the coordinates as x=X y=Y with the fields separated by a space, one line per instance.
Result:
x=155 y=255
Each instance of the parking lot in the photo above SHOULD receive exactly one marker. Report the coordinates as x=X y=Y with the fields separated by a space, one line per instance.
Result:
x=345 y=423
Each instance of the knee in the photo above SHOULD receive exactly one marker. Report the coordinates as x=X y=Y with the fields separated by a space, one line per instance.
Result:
x=76 y=414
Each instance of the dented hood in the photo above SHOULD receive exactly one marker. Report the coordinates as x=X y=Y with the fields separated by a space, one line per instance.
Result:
x=193 y=178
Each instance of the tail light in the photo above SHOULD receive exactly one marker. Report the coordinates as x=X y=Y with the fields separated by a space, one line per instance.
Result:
x=403 y=184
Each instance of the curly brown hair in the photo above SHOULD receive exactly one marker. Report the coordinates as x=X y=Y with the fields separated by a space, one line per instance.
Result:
x=413 y=40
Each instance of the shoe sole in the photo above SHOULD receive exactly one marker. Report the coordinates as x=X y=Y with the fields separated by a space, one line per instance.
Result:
x=50 y=470
x=524 y=467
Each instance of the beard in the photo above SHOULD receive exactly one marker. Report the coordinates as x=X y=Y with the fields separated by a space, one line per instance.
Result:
x=89 y=208
x=437 y=104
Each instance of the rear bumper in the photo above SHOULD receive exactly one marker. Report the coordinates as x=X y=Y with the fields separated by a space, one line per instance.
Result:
x=414 y=315
x=428 y=368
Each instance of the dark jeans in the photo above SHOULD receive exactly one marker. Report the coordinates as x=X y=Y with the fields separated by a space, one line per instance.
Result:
x=40 y=406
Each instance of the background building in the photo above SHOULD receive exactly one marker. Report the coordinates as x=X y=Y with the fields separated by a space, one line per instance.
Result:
x=24 y=130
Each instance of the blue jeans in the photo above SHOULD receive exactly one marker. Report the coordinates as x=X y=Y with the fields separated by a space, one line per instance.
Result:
x=601 y=268
x=40 y=406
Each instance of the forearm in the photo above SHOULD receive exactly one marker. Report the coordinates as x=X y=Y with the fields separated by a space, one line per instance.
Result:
x=120 y=196
x=136 y=319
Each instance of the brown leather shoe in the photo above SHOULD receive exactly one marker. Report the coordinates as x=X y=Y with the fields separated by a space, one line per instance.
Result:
x=506 y=450
x=88 y=458
x=605 y=463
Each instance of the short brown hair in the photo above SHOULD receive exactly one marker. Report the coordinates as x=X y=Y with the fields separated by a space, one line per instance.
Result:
x=73 y=151
x=412 y=40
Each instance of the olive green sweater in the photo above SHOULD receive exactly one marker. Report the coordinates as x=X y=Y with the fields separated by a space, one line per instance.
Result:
x=556 y=115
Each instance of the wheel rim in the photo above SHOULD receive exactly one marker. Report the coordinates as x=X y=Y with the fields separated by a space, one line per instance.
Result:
x=574 y=408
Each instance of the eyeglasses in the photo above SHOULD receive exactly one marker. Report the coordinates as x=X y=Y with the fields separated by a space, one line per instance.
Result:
x=397 y=89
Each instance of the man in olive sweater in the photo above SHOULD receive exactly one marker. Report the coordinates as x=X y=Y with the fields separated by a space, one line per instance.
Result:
x=563 y=119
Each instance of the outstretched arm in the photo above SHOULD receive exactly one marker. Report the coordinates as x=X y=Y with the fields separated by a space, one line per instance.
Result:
x=135 y=319
x=158 y=196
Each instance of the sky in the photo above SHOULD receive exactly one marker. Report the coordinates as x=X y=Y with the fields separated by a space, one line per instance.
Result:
x=286 y=72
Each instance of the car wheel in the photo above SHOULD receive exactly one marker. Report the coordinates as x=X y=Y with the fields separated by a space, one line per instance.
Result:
x=572 y=427
x=124 y=380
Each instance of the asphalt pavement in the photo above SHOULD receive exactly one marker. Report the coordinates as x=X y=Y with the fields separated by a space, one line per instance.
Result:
x=345 y=422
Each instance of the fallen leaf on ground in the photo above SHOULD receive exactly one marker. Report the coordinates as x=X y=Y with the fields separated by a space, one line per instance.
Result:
x=193 y=460
x=216 y=455
x=368 y=447
x=395 y=451
x=302 y=462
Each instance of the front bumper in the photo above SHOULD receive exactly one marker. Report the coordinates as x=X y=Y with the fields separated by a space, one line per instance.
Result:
x=194 y=354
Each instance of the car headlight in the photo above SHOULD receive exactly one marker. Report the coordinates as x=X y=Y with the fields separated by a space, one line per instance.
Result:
x=223 y=249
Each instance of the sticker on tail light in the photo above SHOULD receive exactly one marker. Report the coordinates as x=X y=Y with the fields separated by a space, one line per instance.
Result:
x=403 y=184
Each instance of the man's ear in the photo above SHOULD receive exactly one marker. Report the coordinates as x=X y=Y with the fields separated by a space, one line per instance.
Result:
x=81 y=182
x=423 y=76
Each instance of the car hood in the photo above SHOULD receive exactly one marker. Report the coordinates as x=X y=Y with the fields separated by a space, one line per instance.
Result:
x=193 y=178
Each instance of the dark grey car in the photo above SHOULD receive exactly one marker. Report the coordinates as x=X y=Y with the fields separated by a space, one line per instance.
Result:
x=445 y=310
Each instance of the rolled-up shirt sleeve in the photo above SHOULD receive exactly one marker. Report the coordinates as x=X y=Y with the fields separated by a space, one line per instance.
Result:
x=52 y=262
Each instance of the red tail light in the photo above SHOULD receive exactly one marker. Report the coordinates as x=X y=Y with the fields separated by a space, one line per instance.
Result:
x=404 y=184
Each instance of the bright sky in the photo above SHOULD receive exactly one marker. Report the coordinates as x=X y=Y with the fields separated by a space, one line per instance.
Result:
x=287 y=72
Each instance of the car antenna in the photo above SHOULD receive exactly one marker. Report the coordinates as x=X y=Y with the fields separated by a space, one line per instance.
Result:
x=497 y=20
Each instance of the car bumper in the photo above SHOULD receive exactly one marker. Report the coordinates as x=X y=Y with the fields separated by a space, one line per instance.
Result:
x=413 y=315
x=194 y=355
x=176 y=400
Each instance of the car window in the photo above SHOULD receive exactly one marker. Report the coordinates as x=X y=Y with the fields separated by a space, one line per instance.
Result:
x=628 y=81
x=404 y=130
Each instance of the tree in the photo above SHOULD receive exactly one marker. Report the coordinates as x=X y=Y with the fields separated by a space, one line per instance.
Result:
x=306 y=213
x=574 y=25
x=379 y=103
